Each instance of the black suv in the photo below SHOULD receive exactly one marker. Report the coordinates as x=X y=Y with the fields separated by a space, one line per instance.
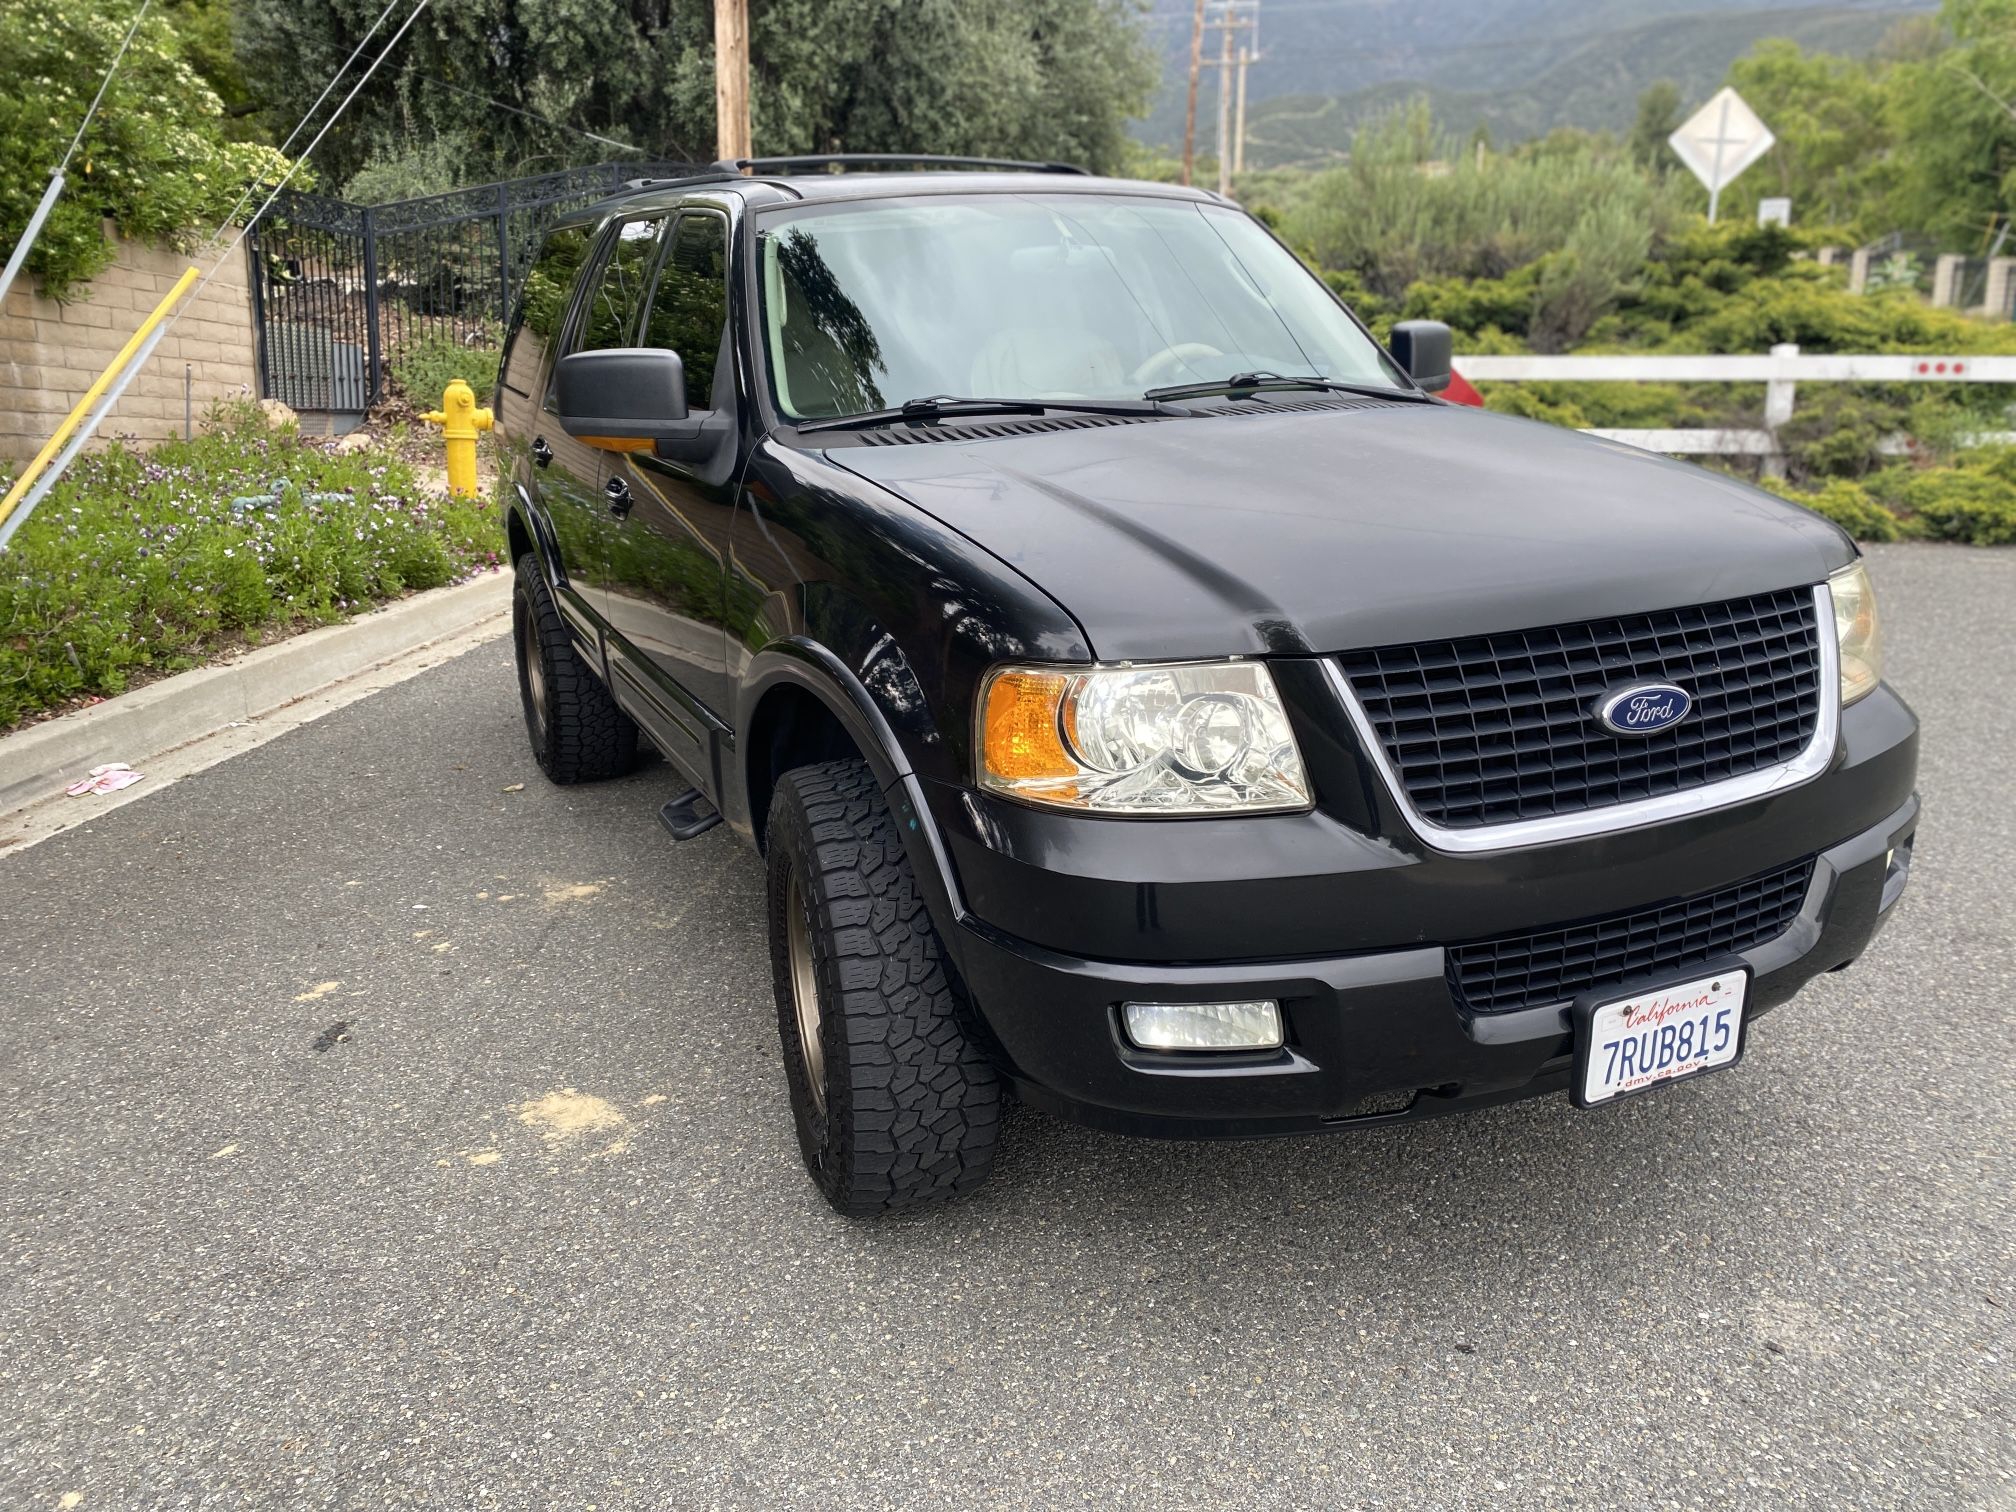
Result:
x=1146 y=695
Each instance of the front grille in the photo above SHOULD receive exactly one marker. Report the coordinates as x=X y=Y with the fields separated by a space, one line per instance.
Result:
x=1522 y=971
x=1499 y=728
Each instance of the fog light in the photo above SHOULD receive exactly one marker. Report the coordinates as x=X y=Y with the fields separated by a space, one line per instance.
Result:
x=1204 y=1026
x=1896 y=871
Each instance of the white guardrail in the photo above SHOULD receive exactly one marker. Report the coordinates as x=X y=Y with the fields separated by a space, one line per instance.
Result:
x=1781 y=373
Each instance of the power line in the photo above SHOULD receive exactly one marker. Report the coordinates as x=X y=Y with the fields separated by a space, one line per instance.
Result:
x=140 y=348
x=18 y=258
x=295 y=166
x=302 y=125
x=532 y=115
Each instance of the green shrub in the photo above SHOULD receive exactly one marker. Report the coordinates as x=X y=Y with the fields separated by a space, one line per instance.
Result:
x=1469 y=305
x=423 y=367
x=1838 y=431
x=1848 y=505
x=1619 y=405
x=1973 y=502
x=1414 y=203
x=139 y=561
x=432 y=166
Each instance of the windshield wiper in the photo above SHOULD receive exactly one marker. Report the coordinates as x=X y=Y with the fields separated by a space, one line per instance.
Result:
x=937 y=407
x=1241 y=384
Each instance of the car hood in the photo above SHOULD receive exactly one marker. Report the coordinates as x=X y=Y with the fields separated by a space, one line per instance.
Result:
x=1315 y=532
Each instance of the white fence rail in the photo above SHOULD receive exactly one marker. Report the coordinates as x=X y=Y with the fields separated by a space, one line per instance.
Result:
x=1781 y=373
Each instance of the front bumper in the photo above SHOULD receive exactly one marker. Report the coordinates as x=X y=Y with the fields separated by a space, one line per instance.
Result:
x=1374 y=1032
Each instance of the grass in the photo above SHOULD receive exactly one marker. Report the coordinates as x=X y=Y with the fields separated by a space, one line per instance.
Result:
x=140 y=563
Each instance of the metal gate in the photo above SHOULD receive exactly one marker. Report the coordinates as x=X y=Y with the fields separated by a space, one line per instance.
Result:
x=340 y=290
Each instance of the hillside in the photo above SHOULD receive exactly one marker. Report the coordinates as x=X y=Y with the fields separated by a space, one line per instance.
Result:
x=1519 y=67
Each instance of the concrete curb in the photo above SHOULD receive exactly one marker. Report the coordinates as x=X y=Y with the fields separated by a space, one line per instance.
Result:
x=43 y=759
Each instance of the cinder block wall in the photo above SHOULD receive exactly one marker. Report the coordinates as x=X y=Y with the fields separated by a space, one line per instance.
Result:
x=51 y=353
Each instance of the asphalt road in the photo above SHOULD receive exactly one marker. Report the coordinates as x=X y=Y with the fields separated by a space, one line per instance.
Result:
x=373 y=1133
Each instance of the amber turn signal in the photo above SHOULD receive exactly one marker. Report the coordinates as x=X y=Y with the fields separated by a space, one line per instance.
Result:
x=1020 y=738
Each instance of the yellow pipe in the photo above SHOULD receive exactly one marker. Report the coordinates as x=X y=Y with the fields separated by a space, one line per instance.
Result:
x=91 y=395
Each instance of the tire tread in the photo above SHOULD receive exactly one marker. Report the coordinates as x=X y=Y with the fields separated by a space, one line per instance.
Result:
x=916 y=1115
x=587 y=738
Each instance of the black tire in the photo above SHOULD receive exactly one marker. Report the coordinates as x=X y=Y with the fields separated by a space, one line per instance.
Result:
x=896 y=1106
x=578 y=734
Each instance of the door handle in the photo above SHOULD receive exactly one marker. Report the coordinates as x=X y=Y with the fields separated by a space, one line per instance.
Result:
x=618 y=494
x=541 y=452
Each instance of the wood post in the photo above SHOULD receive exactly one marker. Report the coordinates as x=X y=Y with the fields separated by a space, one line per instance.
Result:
x=1190 y=110
x=1779 y=396
x=1239 y=114
x=1225 y=103
x=731 y=79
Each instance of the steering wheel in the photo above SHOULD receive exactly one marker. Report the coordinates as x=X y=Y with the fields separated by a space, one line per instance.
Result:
x=1167 y=365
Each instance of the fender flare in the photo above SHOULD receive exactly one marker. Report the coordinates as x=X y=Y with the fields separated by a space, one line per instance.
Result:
x=800 y=662
x=543 y=545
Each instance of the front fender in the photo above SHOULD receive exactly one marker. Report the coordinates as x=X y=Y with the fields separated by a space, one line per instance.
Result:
x=526 y=517
x=807 y=667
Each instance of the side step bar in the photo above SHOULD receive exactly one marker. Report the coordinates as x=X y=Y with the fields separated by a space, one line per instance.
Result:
x=689 y=815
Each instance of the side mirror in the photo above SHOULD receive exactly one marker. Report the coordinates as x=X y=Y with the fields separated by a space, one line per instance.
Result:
x=1424 y=349
x=622 y=394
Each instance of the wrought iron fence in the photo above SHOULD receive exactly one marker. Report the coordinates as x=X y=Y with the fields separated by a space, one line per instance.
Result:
x=340 y=290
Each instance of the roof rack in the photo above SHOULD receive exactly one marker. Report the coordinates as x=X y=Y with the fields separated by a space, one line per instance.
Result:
x=846 y=160
x=732 y=170
x=713 y=173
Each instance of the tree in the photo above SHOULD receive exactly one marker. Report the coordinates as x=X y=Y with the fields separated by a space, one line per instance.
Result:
x=1953 y=116
x=1658 y=116
x=1833 y=141
x=155 y=160
x=203 y=28
x=1034 y=78
x=1411 y=205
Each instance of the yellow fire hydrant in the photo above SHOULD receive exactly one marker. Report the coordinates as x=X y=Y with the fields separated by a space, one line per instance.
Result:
x=460 y=418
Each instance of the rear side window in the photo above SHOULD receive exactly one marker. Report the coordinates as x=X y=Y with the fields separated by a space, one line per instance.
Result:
x=689 y=305
x=542 y=304
x=611 y=317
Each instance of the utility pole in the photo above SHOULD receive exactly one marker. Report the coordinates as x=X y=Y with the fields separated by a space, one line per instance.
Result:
x=1239 y=113
x=731 y=79
x=1228 y=16
x=1190 y=112
x=1225 y=102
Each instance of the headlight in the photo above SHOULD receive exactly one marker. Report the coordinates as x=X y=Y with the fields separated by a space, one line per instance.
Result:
x=1200 y=738
x=1856 y=628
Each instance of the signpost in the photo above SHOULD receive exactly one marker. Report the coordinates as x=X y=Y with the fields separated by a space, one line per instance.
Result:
x=1719 y=141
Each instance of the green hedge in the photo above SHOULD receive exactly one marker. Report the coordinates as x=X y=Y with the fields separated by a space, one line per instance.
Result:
x=423 y=367
x=139 y=562
x=1971 y=500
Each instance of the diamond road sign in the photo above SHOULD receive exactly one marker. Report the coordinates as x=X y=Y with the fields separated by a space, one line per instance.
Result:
x=1719 y=141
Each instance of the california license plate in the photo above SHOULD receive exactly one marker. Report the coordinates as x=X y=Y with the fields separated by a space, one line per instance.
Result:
x=1633 y=1044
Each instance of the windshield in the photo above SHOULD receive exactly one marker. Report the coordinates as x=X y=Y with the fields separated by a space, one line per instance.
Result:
x=1038 y=297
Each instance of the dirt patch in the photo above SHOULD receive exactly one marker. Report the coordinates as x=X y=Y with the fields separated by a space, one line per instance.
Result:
x=569 y=1117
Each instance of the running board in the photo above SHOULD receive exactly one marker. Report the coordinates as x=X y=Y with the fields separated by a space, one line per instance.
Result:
x=689 y=815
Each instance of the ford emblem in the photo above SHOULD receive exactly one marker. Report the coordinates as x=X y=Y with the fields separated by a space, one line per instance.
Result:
x=1644 y=708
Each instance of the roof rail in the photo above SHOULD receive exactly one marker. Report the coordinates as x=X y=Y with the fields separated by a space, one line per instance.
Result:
x=703 y=173
x=846 y=160
x=717 y=173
